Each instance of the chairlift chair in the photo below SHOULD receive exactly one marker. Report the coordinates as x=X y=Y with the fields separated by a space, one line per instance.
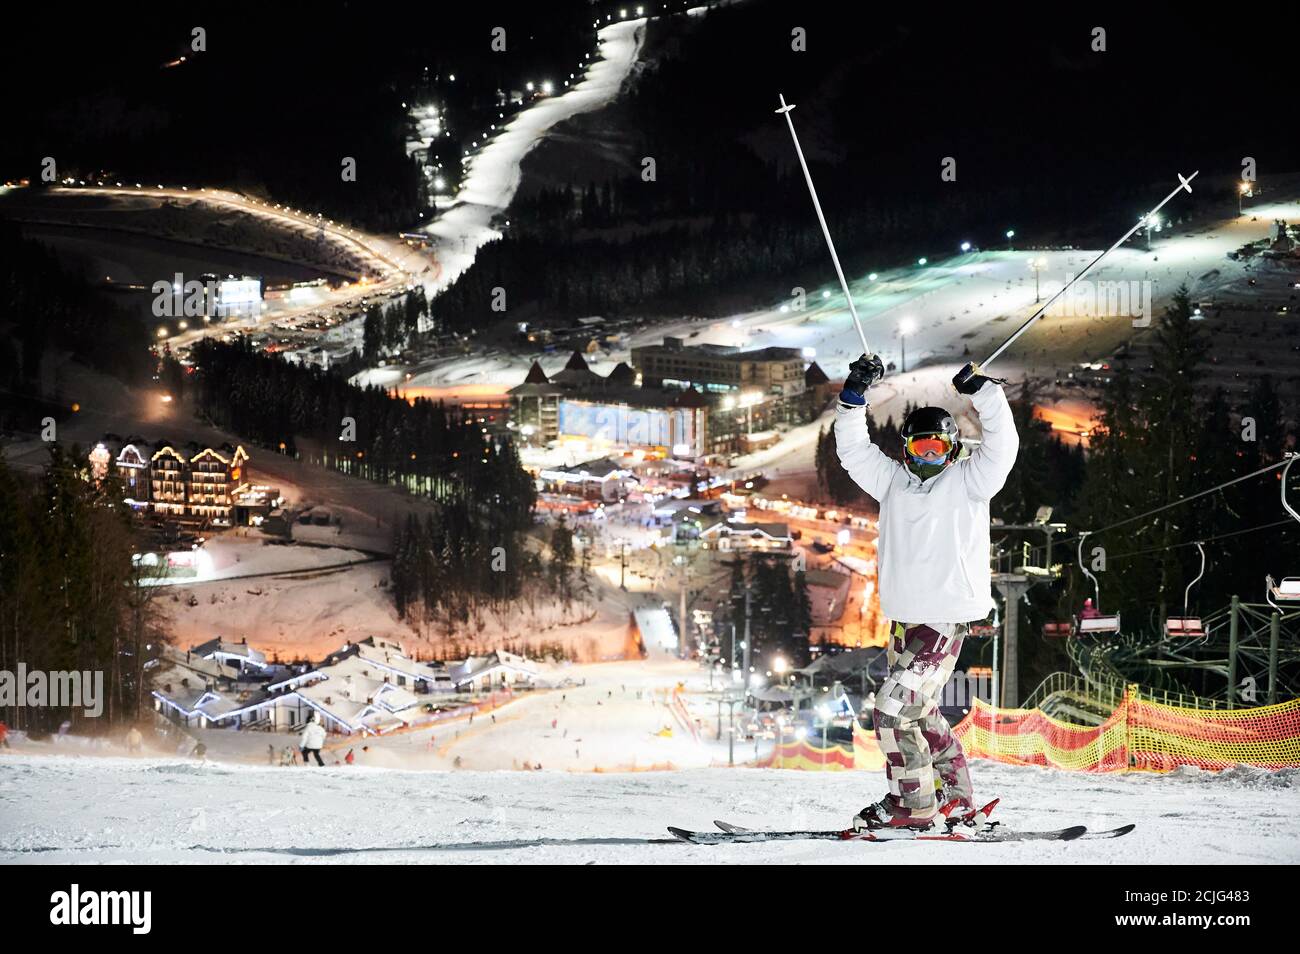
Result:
x=1284 y=594
x=986 y=628
x=1099 y=625
x=1188 y=625
x=1285 y=590
x=1096 y=625
x=1058 y=629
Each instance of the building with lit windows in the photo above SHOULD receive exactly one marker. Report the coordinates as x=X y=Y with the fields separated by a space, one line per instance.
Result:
x=777 y=372
x=689 y=402
x=187 y=483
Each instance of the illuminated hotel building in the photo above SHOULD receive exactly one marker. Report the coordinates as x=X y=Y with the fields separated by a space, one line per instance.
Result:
x=183 y=483
x=689 y=403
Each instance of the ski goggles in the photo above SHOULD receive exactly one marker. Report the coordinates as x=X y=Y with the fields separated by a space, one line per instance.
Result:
x=931 y=447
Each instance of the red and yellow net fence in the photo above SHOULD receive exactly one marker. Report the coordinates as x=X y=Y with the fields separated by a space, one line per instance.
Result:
x=1139 y=735
x=809 y=754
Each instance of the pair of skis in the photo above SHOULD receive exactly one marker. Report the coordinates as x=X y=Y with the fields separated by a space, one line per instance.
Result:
x=977 y=828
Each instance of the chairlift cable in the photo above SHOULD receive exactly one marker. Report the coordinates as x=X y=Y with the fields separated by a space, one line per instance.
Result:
x=1181 y=500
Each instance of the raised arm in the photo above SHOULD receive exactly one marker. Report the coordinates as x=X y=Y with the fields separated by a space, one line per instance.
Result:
x=988 y=467
x=866 y=463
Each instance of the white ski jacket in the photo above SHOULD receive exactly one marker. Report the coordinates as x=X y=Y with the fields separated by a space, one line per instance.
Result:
x=933 y=550
x=313 y=737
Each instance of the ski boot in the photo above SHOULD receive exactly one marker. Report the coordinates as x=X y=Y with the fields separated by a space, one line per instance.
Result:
x=880 y=816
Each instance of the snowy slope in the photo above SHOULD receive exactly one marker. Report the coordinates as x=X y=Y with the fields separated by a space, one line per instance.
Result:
x=406 y=800
x=103 y=810
x=494 y=171
x=970 y=300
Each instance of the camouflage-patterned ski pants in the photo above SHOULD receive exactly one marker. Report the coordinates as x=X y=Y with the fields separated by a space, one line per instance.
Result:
x=914 y=736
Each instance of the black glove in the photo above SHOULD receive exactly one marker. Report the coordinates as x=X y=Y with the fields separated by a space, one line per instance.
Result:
x=969 y=379
x=863 y=373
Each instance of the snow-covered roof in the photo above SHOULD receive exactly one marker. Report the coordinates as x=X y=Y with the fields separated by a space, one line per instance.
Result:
x=174 y=664
x=355 y=693
x=219 y=646
x=773 y=531
x=477 y=666
x=386 y=655
x=843 y=664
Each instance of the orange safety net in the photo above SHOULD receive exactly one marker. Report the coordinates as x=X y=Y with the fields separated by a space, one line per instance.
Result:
x=804 y=754
x=1139 y=734
x=1028 y=737
x=1162 y=737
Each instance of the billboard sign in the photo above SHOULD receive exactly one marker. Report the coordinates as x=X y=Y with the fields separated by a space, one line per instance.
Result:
x=238 y=293
x=627 y=426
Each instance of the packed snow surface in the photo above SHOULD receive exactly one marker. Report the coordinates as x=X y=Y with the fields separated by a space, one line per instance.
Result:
x=166 y=811
x=450 y=794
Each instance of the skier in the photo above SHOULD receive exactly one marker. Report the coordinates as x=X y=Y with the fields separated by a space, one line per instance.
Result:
x=934 y=578
x=134 y=741
x=313 y=737
x=4 y=736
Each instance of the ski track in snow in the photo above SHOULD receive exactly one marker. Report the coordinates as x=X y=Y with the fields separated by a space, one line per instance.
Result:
x=167 y=811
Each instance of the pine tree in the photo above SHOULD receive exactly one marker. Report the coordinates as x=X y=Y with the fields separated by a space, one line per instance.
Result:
x=1179 y=353
x=561 y=565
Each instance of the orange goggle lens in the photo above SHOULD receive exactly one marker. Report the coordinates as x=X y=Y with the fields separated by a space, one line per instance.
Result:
x=931 y=446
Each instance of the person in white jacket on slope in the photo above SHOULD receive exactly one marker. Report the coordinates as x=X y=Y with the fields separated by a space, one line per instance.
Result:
x=313 y=738
x=934 y=578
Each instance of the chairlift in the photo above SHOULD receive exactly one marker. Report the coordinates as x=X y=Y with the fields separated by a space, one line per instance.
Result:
x=1284 y=594
x=1096 y=623
x=986 y=628
x=1187 y=625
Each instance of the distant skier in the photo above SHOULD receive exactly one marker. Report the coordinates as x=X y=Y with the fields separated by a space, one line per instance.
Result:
x=349 y=759
x=934 y=577
x=4 y=736
x=134 y=741
x=313 y=737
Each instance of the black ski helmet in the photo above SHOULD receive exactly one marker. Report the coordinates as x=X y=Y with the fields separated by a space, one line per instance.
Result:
x=933 y=420
x=930 y=420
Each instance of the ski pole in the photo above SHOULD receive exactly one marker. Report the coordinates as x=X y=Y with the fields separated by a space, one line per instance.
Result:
x=857 y=322
x=1183 y=183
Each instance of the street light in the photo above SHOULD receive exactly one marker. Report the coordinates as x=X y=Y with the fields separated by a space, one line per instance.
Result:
x=1037 y=265
x=965 y=246
x=905 y=328
x=1011 y=233
x=1152 y=222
